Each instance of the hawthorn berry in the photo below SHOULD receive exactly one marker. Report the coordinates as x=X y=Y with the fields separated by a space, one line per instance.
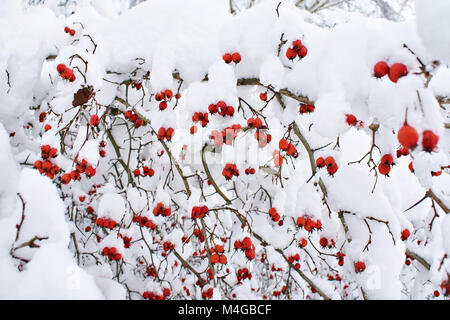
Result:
x=397 y=71
x=380 y=69
x=95 y=120
x=405 y=234
x=408 y=136
x=236 y=57
x=227 y=58
x=360 y=266
x=429 y=140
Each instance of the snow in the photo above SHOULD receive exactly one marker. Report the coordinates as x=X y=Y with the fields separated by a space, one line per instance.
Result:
x=50 y=245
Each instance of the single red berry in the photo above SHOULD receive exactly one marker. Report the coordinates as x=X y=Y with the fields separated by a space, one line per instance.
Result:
x=302 y=51
x=227 y=58
x=236 y=57
x=351 y=119
x=397 y=71
x=95 y=120
x=429 y=140
x=408 y=136
x=380 y=69
x=291 y=53
x=384 y=169
x=405 y=234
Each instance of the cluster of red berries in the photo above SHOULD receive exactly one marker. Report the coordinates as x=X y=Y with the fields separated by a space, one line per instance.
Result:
x=136 y=85
x=48 y=152
x=69 y=31
x=217 y=255
x=167 y=246
x=409 y=138
x=405 y=234
x=47 y=167
x=329 y=163
x=306 y=108
x=385 y=164
x=288 y=147
x=160 y=209
x=201 y=117
x=126 y=240
x=255 y=123
x=198 y=233
x=146 y=171
x=111 y=253
x=144 y=222
x=352 y=121
x=297 y=49
x=226 y=136
x=80 y=168
x=247 y=245
x=150 y=295
x=243 y=274
x=360 y=266
x=275 y=216
x=292 y=260
x=165 y=133
x=207 y=294
x=250 y=171
x=221 y=108
x=163 y=97
x=65 y=72
x=228 y=57
x=199 y=212
x=262 y=138
x=133 y=117
x=106 y=223
x=395 y=72
x=42 y=116
x=324 y=243
x=308 y=223
x=229 y=171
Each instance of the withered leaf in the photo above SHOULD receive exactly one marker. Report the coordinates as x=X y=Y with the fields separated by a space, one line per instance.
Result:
x=82 y=96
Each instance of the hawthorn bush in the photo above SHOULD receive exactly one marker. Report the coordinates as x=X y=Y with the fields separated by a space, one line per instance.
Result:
x=184 y=152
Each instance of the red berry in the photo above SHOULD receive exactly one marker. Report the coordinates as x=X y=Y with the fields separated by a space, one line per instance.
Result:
x=408 y=136
x=302 y=51
x=387 y=160
x=397 y=71
x=429 y=140
x=405 y=234
x=291 y=53
x=95 y=120
x=384 y=169
x=380 y=69
x=227 y=58
x=360 y=266
x=236 y=57
x=351 y=119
